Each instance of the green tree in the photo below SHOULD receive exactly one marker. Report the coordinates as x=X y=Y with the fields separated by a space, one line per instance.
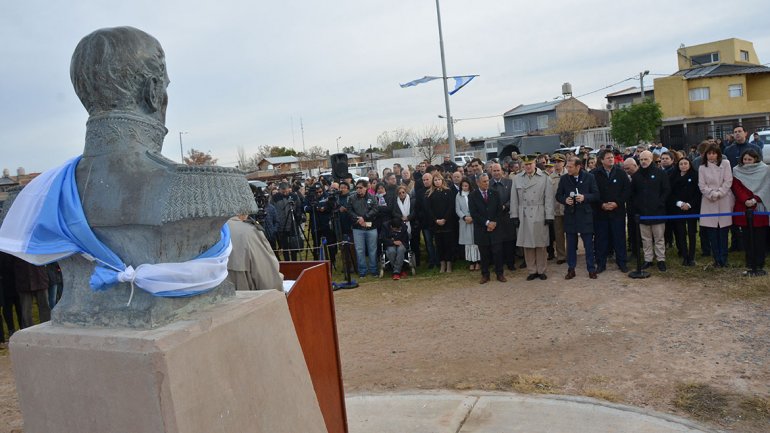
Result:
x=282 y=151
x=639 y=122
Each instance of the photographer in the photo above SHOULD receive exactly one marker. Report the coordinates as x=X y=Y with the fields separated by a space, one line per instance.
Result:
x=288 y=218
x=319 y=205
x=363 y=210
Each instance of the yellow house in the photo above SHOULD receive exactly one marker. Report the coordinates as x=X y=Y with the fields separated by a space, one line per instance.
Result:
x=718 y=84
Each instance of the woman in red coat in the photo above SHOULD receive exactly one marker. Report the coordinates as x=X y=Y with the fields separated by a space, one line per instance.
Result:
x=751 y=186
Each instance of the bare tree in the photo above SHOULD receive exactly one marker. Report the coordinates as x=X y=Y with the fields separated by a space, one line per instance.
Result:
x=567 y=124
x=395 y=139
x=197 y=157
x=315 y=152
x=264 y=151
x=430 y=141
x=244 y=161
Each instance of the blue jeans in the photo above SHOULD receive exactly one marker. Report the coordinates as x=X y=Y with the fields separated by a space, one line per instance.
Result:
x=53 y=291
x=718 y=241
x=588 y=243
x=366 y=245
x=432 y=257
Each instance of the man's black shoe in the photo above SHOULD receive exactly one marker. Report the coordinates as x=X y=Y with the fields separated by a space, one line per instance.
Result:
x=647 y=265
x=662 y=266
x=542 y=276
x=531 y=277
x=601 y=269
x=561 y=262
x=570 y=274
x=623 y=268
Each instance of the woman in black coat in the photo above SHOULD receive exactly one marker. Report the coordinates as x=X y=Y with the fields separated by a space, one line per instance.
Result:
x=440 y=211
x=684 y=199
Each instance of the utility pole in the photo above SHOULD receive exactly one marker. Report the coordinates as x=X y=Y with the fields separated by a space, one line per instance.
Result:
x=449 y=125
x=293 y=144
x=641 y=82
x=302 y=128
x=181 y=149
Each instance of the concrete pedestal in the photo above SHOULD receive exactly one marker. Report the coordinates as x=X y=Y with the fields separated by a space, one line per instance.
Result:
x=236 y=368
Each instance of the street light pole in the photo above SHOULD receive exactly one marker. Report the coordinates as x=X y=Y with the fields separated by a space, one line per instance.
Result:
x=641 y=82
x=338 y=144
x=449 y=126
x=181 y=149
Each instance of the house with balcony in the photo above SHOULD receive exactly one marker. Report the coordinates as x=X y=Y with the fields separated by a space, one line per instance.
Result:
x=718 y=84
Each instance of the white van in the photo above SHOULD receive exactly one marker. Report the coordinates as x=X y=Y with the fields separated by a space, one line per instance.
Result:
x=461 y=160
x=765 y=137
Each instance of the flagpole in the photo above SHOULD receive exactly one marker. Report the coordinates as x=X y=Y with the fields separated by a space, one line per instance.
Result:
x=449 y=125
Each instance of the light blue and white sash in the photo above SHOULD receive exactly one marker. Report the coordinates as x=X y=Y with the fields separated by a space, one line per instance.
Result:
x=46 y=223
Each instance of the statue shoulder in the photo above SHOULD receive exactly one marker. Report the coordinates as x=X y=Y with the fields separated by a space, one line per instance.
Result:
x=206 y=191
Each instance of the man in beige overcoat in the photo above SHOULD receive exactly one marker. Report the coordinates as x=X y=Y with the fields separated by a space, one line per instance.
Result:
x=532 y=204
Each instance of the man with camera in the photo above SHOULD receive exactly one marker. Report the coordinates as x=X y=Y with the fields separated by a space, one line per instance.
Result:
x=319 y=205
x=288 y=212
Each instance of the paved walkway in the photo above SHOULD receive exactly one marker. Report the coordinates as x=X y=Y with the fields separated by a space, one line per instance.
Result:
x=477 y=412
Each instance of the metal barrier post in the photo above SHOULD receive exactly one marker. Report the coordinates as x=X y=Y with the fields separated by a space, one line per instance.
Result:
x=638 y=273
x=750 y=252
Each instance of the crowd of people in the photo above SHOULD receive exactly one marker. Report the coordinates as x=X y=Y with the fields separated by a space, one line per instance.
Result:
x=521 y=212
x=527 y=210
x=21 y=284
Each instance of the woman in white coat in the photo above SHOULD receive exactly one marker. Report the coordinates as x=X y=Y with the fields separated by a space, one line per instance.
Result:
x=472 y=254
x=715 y=177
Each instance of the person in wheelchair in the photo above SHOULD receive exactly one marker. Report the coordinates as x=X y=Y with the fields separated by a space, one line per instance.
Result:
x=395 y=238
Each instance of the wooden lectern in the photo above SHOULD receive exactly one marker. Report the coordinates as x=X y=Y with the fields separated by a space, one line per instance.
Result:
x=311 y=305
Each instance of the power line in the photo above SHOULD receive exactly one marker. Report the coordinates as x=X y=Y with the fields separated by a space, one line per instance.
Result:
x=579 y=96
x=607 y=87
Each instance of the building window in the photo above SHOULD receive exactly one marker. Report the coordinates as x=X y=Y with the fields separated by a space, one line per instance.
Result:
x=542 y=122
x=745 y=56
x=519 y=125
x=699 y=94
x=735 y=90
x=703 y=59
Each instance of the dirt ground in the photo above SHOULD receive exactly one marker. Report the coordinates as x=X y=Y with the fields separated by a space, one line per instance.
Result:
x=645 y=343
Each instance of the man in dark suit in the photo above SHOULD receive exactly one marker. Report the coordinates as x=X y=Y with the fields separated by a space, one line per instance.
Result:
x=610 y=211
x=502 y=185
x=486 y=210
x=577 y=192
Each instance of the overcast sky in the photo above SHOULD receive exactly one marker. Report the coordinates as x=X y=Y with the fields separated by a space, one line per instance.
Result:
x=242 y=70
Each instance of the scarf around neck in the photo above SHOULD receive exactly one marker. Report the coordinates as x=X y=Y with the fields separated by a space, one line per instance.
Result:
x=755 y=177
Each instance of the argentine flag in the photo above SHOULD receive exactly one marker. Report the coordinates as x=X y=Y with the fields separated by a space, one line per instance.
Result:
x=460 y=81
x=46 y=223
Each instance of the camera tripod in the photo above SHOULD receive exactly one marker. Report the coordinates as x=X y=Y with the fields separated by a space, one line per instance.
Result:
x=347 y=260
x=297 y=233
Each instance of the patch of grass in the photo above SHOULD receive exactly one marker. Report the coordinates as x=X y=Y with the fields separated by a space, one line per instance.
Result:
x=755 y=408
x=602 y=394
x=529 y=384
x=701 y=400
x=463 y=386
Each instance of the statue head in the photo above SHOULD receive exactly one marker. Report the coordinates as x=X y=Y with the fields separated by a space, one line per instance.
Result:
x=121 y=69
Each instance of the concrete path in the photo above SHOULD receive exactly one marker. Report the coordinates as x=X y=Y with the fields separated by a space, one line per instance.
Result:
x=476 y=412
